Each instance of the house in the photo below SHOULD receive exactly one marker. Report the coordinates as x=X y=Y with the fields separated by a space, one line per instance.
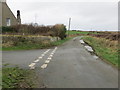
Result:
x=7 y=18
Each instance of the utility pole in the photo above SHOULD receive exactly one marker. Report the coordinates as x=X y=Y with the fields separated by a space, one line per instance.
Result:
x=35 y=20
x=69 y=26
x=91 y=29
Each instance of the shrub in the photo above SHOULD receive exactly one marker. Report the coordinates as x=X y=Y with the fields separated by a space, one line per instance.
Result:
x=58 y=30
x=7 y=29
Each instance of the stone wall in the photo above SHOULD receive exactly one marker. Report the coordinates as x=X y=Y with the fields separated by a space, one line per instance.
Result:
x=9 y=40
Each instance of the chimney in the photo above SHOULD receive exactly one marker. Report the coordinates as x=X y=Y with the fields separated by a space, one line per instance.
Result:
x=18 y=17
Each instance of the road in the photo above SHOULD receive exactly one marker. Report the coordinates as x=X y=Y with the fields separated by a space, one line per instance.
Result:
x=67 y=66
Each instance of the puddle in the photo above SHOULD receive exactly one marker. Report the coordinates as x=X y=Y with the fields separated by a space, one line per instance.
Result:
x=96 y=57
x=89 y=48
x=82 y=42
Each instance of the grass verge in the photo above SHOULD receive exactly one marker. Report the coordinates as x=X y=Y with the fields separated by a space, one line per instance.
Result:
x=29 y=46
x=76 y=32
x=80 y=32
x=0 y=78
x=106 y=49
x=16 y=78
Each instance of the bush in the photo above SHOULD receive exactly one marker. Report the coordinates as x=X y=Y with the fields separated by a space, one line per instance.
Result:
x=58 y=30
x=7 y=29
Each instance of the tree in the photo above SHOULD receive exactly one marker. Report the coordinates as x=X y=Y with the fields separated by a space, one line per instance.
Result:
x=60 y=30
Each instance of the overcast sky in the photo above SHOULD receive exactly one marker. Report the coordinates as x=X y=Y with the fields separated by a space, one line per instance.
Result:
x=92 y=15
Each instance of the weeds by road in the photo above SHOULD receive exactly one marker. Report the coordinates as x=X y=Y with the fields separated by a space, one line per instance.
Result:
x=16 y=78
x=29 y=45
x=106 y=49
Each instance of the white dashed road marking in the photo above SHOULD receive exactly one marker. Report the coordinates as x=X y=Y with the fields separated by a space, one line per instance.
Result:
x=43 y=55
x=40 y=57
x=32 y=65
x=44 y=66
x=51 y=55
x=48 y=59
x=36 y=61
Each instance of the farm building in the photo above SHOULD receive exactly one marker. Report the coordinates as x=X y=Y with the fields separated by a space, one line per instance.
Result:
x=7 y=18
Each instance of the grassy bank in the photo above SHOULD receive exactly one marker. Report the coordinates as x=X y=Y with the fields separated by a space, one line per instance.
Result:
x=80 y=32
x=106 y=49
x=0 y=78
x=76 y=32
x=16 y=78
x=28 y=45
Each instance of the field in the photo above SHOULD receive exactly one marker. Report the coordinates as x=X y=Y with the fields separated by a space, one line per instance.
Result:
x=76 y=32
x=108 y=35
x=73 y=32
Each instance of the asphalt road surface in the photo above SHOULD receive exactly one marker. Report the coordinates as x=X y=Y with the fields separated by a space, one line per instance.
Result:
x=67 y=66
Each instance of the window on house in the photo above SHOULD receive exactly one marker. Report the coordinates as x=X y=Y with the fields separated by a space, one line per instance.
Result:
x=8 y=21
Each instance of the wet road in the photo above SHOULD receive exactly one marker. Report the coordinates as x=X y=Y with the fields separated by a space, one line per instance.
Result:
x=67 y=66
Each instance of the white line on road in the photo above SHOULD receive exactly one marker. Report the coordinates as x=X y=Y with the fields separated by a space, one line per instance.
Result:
x=49 y=58
x=40 y=57
x=44 y=66
x=36 y=61
x=32 y=65
x=47 y=61
x=51 y=55
x=43 y=55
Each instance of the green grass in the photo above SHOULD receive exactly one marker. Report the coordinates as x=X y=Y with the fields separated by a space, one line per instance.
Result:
x=22 y=47
x=0 y=78
x=76 y=32
x=79 y=32
x=15 y=78
x=103 y=49
x=29 y=46
x=0 y=48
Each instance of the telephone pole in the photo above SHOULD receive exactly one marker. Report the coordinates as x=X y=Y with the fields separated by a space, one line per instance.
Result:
x=36 y=24
x=69 y=26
